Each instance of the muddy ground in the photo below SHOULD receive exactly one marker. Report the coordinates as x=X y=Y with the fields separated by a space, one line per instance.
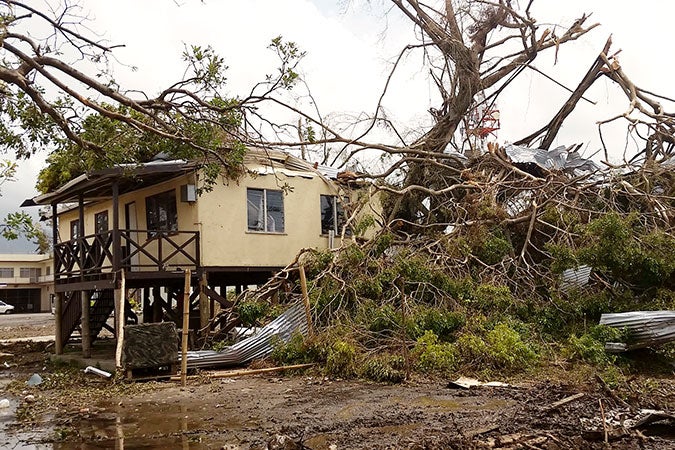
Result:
x=71 y=410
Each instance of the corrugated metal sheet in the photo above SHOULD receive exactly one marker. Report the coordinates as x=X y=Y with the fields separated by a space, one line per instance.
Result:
x=575 y=278
x=560 y=158
x=257 y=346
x=646 y=328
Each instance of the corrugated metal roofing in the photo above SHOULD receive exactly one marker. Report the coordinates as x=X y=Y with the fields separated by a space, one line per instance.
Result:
x=646 y=328
x=257 y=346
x=575 y=278
x=560 y=158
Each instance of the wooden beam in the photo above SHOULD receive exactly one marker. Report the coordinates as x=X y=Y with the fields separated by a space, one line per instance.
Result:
x=186 y=326
x=85 y=325
x=117 y=245
x=204 y=310
x=120 y=294
x=213 y=295
x=58 y=312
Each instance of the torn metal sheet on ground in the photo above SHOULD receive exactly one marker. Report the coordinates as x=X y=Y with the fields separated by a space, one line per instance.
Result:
x=645 y=328
x=257 y=346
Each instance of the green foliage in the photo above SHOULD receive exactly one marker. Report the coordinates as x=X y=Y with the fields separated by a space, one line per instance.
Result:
x=491 y=247
x=442 y=324
x=619 y=248
x=434 y=356
x=296 y=351
x=251 y=312
x=384 y=368
x=381 y=243
x=385 y=319
x=365 y=222
x=21 y=224
x=562 y=257
x=502 y=348
x=590 y=347
x=341 y=360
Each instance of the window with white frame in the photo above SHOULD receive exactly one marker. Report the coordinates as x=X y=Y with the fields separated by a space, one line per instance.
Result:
x=265 y=209
x=333 y=214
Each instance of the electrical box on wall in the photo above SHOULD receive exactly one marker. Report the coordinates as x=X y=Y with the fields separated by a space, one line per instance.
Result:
x=188 y=193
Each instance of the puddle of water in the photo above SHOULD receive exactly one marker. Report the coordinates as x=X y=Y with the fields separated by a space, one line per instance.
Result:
x=148 y=426
x=453 y=404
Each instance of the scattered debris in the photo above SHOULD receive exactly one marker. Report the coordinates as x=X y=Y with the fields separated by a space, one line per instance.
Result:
x=4 y=403
x=468 y=383
x=649 y=416
x=239 y=373
x=34 y=380
x=283 y=442
x=30 y=398
x=560 y=158
x=565 y=401
x=645 y=328
x=99 y=372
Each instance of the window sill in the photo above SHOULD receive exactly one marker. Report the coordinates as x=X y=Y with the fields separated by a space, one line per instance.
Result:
x=273 y=233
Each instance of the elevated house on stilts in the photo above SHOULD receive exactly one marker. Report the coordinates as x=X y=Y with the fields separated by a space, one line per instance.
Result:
x=129 y=233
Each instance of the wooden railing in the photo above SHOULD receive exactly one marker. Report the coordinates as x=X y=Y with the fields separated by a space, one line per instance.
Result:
x=92 y=256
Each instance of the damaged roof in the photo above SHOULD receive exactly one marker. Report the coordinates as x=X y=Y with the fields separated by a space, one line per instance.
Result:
x=97 y=185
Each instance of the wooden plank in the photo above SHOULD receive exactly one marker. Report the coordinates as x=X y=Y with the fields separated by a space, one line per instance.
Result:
x=120 y=293
x=565 y=401
x=186 y=324
x=240 y=373
x=224 y=303
x=305 y=300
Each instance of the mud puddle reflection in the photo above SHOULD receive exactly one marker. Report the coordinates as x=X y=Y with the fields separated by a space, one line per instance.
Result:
x=145 y=426
x=157 y=426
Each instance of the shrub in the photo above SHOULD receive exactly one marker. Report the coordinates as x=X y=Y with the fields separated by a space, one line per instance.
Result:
x=341 y=360
x=434 y=356
x=384 y=368
x=251 y=312
x=295 y=351
x=590 y=347
x=508 y=350
x=501 y=349
x=441 y=323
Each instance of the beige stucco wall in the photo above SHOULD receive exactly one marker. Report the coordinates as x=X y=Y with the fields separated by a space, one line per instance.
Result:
x=44 y=282
x=226 y=240
x=221 y=218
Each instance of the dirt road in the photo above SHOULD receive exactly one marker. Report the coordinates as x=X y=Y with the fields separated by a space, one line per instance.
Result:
x=13 y=326
x=71 y=410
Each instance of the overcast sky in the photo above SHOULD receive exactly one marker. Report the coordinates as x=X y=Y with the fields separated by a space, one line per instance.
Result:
x=350 y=47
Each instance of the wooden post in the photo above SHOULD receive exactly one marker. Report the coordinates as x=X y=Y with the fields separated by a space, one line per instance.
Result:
x=204 y=310
x=186 y=326
x=120 y=293
x=85 y=325
x=58 y=311
x=305 y=300
x=116 y=238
